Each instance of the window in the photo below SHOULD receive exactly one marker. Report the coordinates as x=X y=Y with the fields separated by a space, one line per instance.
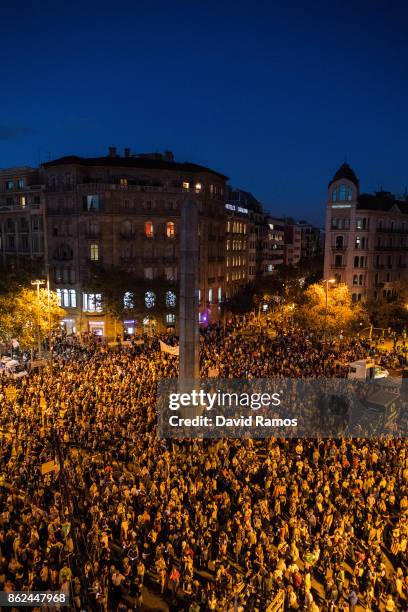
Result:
x=186 y=185
x=150 y=299
x=169 y=273
x=198 y=187
x=342 y=193
x=219 y=294
x=23 y=201
x=63 y=252
x=149 y=229
x=128 y=300
x=148 y=273
x=170 y=299
x=338 y=261
x=92 y=302
x=123 y=182
x=170 y=319
x=21 y=183
x=94 y=228
x=350 y=194
x=92 y=202
x=10 y=185
x=67 y=298
x=170 y=229
x=36 y=223
x=94 y=252
x=334 y=195
x=210 y=295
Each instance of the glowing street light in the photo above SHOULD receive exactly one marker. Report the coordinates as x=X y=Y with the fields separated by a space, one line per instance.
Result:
x=37 y=283
x=326 y=312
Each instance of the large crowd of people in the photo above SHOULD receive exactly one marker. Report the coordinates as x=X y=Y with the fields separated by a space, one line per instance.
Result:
x=94 y=504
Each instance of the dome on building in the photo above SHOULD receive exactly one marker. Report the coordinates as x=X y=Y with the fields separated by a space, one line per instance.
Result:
x=345 y=172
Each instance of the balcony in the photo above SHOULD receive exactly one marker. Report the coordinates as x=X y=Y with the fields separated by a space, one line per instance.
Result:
x=338 y=266
x=394 y=230
x=127 y=235
x=339 y=249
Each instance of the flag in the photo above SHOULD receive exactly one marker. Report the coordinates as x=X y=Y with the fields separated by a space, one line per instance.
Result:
x=166 y=348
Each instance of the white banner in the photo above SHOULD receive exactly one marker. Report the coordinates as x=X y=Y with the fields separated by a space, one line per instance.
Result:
x=166 y=348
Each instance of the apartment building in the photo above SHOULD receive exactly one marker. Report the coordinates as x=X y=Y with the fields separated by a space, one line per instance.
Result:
x=366 y=238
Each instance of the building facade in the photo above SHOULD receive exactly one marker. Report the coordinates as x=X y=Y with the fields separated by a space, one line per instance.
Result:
x=293 y=243
x=254 y=241
x=366 y=238
x=75 y=215
x=22 y=218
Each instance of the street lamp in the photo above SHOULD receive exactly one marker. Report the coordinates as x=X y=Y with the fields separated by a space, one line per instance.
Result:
x=37 y=283
x=326 y=312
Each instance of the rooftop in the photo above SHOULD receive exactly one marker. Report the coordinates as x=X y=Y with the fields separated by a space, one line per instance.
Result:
x=152 y=161
x=345 y=172
x=381 y=201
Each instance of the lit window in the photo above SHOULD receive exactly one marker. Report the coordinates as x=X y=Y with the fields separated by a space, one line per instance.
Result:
x=23 y=201
x=342 y=193
x=210 y=295
x=67 y=298
x=149 y=230
x=171 y=319
x=92 y=302
x=186 y=185
x=92 y=202
x=150 y=299
x=72 y=298
x=128 y=300
x=198 y=187
x=170 y=229
x=219 y=294
x=123 y=182
x=170 y=299
x=94 y=252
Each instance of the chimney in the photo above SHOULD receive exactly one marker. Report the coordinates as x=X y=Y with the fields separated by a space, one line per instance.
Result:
x=112 y=151
x=126 y=152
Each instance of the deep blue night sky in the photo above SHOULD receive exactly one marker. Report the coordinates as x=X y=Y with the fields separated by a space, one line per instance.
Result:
x=274 y=94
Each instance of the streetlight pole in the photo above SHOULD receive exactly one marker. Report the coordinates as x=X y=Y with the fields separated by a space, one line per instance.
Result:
x=326 y=312
x=37 y=283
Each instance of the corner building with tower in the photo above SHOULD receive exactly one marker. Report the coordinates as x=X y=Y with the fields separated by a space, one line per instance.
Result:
x=366 y=244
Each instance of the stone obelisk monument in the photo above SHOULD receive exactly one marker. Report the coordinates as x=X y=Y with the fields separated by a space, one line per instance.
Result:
x=188 y=318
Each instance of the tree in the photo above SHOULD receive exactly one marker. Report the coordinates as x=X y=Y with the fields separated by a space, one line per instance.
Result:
x=342 y=313
x=389 y=313
x=23 y=313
